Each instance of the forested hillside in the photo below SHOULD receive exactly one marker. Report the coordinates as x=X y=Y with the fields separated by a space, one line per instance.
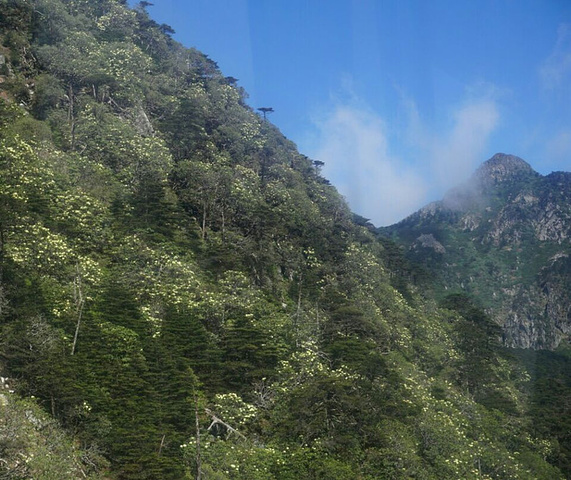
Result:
x=503 y=239
x=184 y=296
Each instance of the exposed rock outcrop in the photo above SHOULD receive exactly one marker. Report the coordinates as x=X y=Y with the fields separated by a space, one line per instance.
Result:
x=504 y=237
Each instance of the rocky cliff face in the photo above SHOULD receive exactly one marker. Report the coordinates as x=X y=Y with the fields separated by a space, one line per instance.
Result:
x=502 y=168
x=504 y=237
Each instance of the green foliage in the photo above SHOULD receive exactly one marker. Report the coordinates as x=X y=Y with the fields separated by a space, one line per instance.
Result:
x=248 y=353
x=549 y=391
x=184 y=292
x=49 y=94
x=225 y=460
x=33 y=445
x=481 y=370
x=184 y=338
x=15 y=16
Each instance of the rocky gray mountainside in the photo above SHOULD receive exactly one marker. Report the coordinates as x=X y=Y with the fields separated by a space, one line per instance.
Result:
x=505 y=238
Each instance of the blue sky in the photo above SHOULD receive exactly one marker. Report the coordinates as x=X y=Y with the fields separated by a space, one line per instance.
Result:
x=402 y=100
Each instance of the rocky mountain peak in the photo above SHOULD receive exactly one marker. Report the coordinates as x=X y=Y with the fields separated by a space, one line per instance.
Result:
x=503 y=168
x=504 y=237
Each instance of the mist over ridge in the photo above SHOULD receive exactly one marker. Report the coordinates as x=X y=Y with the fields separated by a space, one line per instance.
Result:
x=502 y=236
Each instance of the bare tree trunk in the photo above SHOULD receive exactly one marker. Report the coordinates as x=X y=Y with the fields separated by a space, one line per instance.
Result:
x=71 y=116
x=79 y=303
x=216 y=420
x=198 y=458
x=204 y=207
x=223 y=226
x=298 y=311
x=162 y=444
x=2 y=242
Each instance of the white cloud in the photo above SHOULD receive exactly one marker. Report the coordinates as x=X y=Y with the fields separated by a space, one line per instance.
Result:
x=558 y=147
x=356 y=146
x=454 y=154
x=353 y=144
x=556 y=69
x=451 y=154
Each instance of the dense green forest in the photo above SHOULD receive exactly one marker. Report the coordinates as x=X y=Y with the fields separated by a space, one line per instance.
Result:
x=184 y=296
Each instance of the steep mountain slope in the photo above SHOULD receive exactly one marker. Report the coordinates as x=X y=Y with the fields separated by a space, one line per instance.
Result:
x=505 y=238
x=185 y=293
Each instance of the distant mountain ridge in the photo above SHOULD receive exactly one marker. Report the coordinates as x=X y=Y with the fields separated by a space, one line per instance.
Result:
x=504 y=237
